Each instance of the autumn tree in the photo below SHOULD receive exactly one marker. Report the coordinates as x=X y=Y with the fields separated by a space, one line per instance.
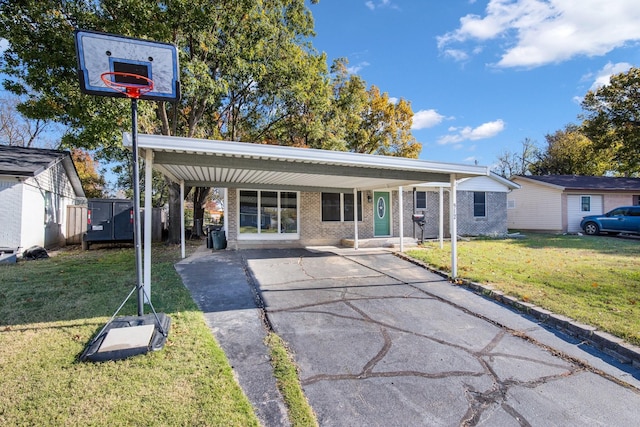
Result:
x=372 y=123
x=237 y=64
x=612 y=121
x=248 y=73
x=93 y=183
x=570 y=152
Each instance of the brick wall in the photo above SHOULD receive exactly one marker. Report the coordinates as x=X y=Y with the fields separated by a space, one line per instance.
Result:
x=494 y=224
x=313 y=231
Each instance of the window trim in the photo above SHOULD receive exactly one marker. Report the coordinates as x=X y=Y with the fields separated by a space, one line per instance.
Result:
x=259 y=235
x=478 y=204
x=584 y=199
x=416 y=200
x=342 y=208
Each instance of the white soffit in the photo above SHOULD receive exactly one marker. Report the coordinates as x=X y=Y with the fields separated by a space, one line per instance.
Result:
x=201 y=162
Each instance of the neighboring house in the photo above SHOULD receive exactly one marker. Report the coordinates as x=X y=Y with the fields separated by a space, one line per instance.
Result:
x=36 y=186
x=557 y=203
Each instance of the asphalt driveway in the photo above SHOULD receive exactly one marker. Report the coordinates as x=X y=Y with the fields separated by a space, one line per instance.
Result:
x=380 y=341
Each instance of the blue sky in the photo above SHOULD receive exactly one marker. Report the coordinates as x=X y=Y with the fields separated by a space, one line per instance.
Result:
x=482 y=75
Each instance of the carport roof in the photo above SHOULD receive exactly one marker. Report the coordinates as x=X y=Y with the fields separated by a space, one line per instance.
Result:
x=211 y=163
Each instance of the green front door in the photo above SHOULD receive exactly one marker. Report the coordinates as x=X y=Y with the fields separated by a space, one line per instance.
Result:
x=382 y=215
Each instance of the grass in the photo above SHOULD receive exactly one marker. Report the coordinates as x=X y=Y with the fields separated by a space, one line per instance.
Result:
x=284 y=369
x=50 y=309
x=592 y=279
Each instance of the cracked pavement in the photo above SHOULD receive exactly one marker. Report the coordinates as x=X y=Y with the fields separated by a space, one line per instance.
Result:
x=380 y=341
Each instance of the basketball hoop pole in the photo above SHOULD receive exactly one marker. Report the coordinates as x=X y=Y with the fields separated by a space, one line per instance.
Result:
x=137 y=231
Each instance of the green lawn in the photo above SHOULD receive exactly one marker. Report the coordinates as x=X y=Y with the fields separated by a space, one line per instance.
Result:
x=50 y=309
x=592 y=279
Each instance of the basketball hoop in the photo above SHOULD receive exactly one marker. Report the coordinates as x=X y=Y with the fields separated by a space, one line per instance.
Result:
x=127 y=83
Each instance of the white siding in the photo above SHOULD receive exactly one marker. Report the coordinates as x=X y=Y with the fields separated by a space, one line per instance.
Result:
x=537 y=207
x=575 y=212
x=10 y=212
x=33 y=221
x=482 y=183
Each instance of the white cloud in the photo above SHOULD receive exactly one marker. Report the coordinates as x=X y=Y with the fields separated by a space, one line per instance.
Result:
x=355 y=69
x=484 y=131
x=603 y=77
x=373 y=5
x=426 y=118
x=539 y=32
x=457 y=54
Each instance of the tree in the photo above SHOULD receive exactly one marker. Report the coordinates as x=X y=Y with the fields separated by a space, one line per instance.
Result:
x=511 y=164
x=372 y=123
x=248 y=72
x=236 y=68
x=92 y=183
x=612 y=120
x=15 y=129
x=570 y=152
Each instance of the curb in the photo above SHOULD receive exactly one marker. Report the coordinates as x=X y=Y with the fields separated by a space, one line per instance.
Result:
x=611 y=345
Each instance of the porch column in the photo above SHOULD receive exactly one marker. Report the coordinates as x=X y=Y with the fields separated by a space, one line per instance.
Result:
x=355 y=218
x=182 y=237
x=441 y=224
x=225 y=211
x=453 y=220
x=401 y=219
x=148 y=218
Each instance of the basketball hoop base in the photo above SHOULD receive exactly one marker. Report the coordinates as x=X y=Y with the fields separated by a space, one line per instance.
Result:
x=128 y=336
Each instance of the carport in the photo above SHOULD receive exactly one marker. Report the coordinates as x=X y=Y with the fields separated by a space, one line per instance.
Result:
x=211 y=163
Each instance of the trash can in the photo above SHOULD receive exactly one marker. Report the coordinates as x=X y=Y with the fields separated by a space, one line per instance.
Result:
x=209 y=239
x=219 y=240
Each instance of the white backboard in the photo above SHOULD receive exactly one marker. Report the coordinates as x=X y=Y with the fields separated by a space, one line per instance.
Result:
x=99 y=53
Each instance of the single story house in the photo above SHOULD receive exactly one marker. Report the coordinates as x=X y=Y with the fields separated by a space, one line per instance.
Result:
x=36 y=186
x=289 y=196
x=557 y=203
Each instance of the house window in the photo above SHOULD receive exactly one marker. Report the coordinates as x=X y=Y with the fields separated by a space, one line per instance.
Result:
x=268 y=212
x=636 y=200
x=479 y=204
x=585 y=203
x=340 y=207
x=421 y=200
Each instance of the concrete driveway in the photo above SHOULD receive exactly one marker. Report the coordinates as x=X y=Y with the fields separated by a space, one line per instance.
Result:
x=382 y=342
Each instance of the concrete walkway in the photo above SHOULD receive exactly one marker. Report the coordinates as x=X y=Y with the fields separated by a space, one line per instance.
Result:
x=380 y=341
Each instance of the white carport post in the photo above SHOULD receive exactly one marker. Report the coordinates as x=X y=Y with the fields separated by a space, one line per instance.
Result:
x=453 y=225
x=148 y=218
x=401 y=220
x=355 y=219
x=441 y=225
x=182 y=237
